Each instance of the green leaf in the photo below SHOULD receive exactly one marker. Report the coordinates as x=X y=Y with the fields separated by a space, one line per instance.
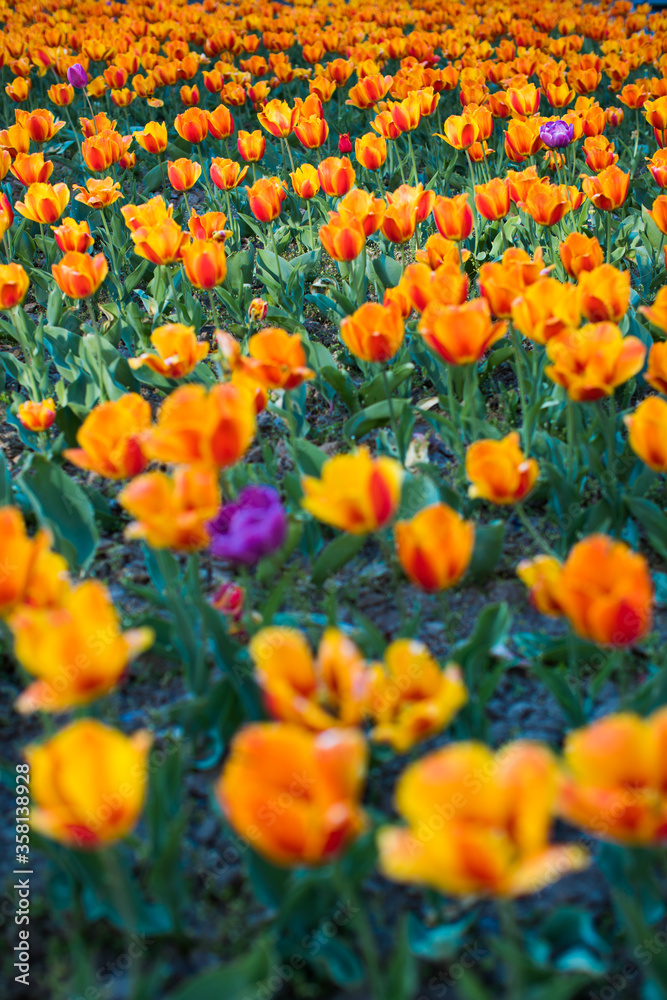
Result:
x=5 y=482
x=336 y=554
x=402 y=980
x=135 y=277
x=652 y=521
x=417 y=492
x=61 y=505
x=310 y=457
x=387 y=270
x=370 y=418
x=342 y=963
x=488 y=549
x=245 y=976
x=436 y=944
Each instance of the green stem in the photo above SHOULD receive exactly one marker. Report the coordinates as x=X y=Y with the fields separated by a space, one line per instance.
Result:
x=112 y=252
x=570 y=441
x=392 y=415
x=470 y=396
x=532 y=530
x=512 y=935
x=361 y=277
x=214 y=308
x=21 y=333
x=412 y=157
x=608 y=257
x=98 y=347
x=310 y=224
x=523 y=395
x=278 y=268
x=160 y=159
x=365 y=934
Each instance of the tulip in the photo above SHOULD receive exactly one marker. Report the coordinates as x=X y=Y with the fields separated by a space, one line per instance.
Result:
x=492 y=200
x=460 y=334
x=439 y=251
x=496 y=841
x=400 y=218
x=123 y=98
x=194 y=426
x=311 y=132
x=520 y=182
x=580 y=253
x=79 y=275
x=6 y=214
x=499 y=471
x=373 y=333
x=356 y=493
x=105 y=148
x=278 y=118
x=150 y=213
x=613 y=779
x=251 y=146
x=336 y=175
x=153 y=138
x=208 y=226
x=435 y=547
x=647 y=428
x=592 y=361
x=110 y=438
x=656 y=373
x=608 y=190
x=99 y=192
x=656 y=113
x=305 y=181
x=275 y=359
x=249 y=528
x=407 y=114
x=43 y=203
x=546 y=309
x=317 y=693
x=413 y=698
x=229 y=599
x=604 y=294
x=227 y=174
x=600 y=153
x=614 y=116
x=446 y=285
x=558 y=94
x=265 y=198
x=97 y=761
x=18 y=90
x=546 y=203
x=77 y=76
x=160 y=243
x=461 y=131
x=205 y=263
x=31 y=168
x=178 y=351
x=14 y=284
x=34 y=576
x=37 y=416
x=343 y=237
x=172 y=512
x=522 y=139
x=502 y=282
x=183 y=173
x=658 y=212
x=541 y=576
x=384 y=125
x=192 y=125
x=363 y=207
x=5 y=163
x=220 y=122
x=41 y=126
x=657 y=313
x=14 y=140
x=371 y=151
x=556 y=135
x=322 y=815
x=368 y=91
x=453 y=217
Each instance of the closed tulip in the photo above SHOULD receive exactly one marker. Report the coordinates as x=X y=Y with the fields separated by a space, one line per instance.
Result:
x=37 y=415
x=658 y=212
x=499 y=471
x=371 y=151
x=613 y=779
x=319 y=775
x=100 y=151
x=336 y=175
x=44 y=203
x=265 y=198
x=592 y=361
x=604 y=294
x=220 y=122
x=153 y=137
x=251 y=146
x=413 y=698
x=6 y=214
x=61 y=94
x=192 y=125
x=373 y=333
x=608 y=190
x=546 y=309
x=580 y=253
x=522 y=139
x=407 y=114
x=172 y=512
x=31 y=168
x=34 y=576
x=453 y=217
x=160 y=243
x=343 y=237
x=501 y=282
x=656 y=372
x=178 y=351
x=492 y=200
x=79 y=275
x=647 y=432
x=204 y=263
x=278 y=118
x=657 y=164
x=76 y=650
x=365 y=208
x=356 y=493
x=546 y=203
x=541 y=576
x=14 y=284
x=227 y=174
x=435 y=547
x=110 y=438
x=496 y=842
x=460 y=334
x=194 y=426
x=461 y=131
x=183 y=173
x=311 y=132
x=657 y=312
x=71 y=235
x=109 y=772
x=305 y=181
x=368 y=91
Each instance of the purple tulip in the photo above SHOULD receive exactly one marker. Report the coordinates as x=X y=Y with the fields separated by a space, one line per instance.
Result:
x=556 y=135
x=251 y=527
x=77 y=76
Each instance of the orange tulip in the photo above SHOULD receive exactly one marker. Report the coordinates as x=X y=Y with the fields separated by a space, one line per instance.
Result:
x=608 y=190
x=227 y=174
x=499 y=471
x=123 y=98
x=31 y=168
x=79 y=275
x=384 y=125
x=368 y=91
x=14 y=140
x=546 y=309
x=656 y=373
x=559 y=95
x=43 y=203
x=658 y=212
x=453 y=217
x=204 y=263
x=98 y=192
x=356 y=493
x=192 y=125
x=492 y=200
x=524 y=101
x=193 y=426
x=546 y=203
x=371 y=151
x=343 y=237
x=592 y=361
x=647 y=428
x=522 y=139
x=178 y=351
x=6 y=214
x=220 y=122
x=461 y=131
x=657 y=313
x=373 y=333
x=580 y=253
x=160 y=243
x=278 y=118
x=172 y=512
x=251 y=146
x=146 y=215
x=61 y=94
x=265 y=198
x=657 y=164
x=439 y=251
x=110 y=438
x=656 y=113
x=104 y=149
x=318 y=775
x=71 y=235
x=460 y=334
x=478 y=823
x=407 y=114
x=183 y=173
x=435 y=547
x=446 y=285
x=275 y=359
x=305 y=181
x=40 y=124
x=37 y=416
x=363 y=207
x=153 y=138
x=604 y=294
x=14 y=284
x=34 y=576
x=19 y=89
x=599 y=153
x=503 y=281
x=311 y=132
x=336 y=175
x=520 y=182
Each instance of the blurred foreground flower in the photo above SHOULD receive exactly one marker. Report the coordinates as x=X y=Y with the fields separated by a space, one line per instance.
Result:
x=356 y=493
x=33 y=575
x=110 y=438
x=249 y=528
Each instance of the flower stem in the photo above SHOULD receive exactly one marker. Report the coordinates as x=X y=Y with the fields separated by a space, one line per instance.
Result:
x=275 y=251
x=365 y=931
x=98 y=345
x=532 y=531
x=512 y=935
x=214 y=308
x=392 y=415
